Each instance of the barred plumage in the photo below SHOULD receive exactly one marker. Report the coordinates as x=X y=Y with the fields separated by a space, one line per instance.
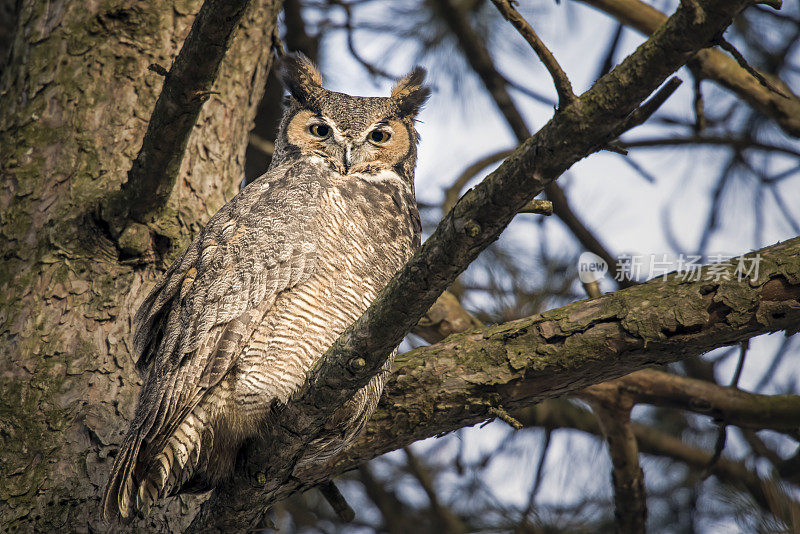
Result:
x=271 y=281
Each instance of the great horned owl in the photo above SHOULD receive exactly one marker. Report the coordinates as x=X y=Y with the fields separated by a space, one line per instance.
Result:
x=273 y=279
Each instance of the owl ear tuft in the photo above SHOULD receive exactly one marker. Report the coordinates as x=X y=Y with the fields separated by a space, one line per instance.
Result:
x=409 y=94
x=300 y=77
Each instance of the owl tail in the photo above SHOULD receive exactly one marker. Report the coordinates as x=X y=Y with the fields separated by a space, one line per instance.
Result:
x=120 y=490
x=177 y=462
x=137 y=483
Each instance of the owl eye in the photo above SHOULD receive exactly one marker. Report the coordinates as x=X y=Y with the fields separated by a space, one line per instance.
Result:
x=319 y=130
x=379 y=136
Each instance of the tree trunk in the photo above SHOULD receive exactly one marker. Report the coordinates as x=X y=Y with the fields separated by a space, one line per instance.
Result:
x=76 y=97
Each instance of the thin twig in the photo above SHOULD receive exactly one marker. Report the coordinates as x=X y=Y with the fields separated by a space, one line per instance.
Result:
x=337 y=501
x=560 y=79
x=608 y=61
x=643 y=112
x=737 y=374
x=729 y=48
x=395 y=514
x=351 y=46
x=453 y=192
x=738 y=143
x=448 y=522
x=266 y=146
x=699 y=107
x=538 y=207
x=644 y=173
x=538 y=97
x=719 y=446
x=539 y=476
x=777 y=359
x=503 y=415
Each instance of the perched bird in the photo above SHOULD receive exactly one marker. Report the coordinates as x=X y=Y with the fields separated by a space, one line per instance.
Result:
x=277 y=274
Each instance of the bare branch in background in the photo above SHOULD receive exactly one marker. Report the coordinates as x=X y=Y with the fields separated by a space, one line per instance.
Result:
x=734 y=406
x=766 y=493
x=453 y=193
x=699 y=108
x=337 y=501
x=560 y=79
x=374 y=70
x=447 y=521
x=613 y=411
x=729 y=48
x=719 y=446
x=736 y=143
x=266 y=146
x=481 y=62
x=714 y=65
x=445 y=317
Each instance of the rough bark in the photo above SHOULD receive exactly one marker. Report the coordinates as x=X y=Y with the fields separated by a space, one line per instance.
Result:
x=76 y=99
x=8 y=23
x=187 y=86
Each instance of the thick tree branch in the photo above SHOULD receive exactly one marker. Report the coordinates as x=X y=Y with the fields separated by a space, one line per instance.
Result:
x=475 y=222
x=714 y=65
x=187 y=86
x=734 y=406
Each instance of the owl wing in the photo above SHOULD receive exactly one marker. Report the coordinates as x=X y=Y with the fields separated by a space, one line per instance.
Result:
x=193 y=325
x=258 y=245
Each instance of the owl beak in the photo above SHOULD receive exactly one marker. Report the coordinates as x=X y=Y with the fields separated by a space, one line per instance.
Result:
x=348 y=157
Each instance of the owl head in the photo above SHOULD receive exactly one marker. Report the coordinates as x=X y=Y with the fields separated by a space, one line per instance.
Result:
x=352 y=134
